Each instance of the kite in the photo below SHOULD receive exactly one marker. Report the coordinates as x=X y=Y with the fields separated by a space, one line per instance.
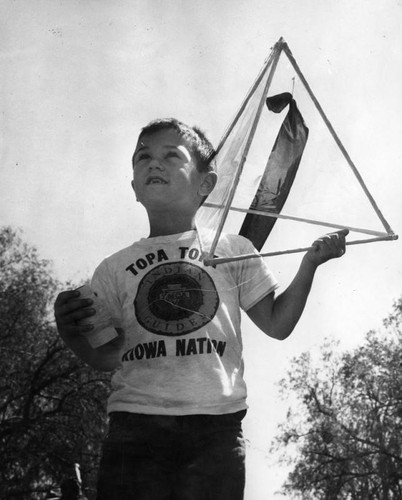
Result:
x=236 y=161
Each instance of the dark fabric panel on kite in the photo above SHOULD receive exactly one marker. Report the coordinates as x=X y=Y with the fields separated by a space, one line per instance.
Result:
x=280 y=171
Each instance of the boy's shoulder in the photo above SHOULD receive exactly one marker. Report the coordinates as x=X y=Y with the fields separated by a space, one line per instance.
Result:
x=122 y=254
x=228 y=242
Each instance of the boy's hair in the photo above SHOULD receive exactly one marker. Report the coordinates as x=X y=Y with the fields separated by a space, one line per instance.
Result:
x=199 y=145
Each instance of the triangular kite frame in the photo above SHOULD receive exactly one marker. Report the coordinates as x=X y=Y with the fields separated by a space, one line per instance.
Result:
x=270 y=65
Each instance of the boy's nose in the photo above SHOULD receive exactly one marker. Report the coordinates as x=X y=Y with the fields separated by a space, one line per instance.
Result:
x=155 y=163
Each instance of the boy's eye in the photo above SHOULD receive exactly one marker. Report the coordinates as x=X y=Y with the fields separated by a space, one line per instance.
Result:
x=172 y=154
x=142 y=156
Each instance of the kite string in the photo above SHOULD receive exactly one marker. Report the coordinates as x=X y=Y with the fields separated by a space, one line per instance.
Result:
x=238 y=355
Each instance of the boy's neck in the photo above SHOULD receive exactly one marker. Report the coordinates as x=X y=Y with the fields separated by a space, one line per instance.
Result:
x=161 y=225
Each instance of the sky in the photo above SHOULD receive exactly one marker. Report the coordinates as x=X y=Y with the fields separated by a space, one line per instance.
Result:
x=79 y=80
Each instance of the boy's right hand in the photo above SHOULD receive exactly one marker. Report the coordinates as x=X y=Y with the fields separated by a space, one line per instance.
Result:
x=68 y=310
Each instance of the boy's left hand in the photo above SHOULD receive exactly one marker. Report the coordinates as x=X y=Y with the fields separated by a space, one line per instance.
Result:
x=330 y=246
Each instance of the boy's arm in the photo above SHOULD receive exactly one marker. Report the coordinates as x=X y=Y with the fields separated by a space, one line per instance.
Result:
x=278 y=316
x=68 y=310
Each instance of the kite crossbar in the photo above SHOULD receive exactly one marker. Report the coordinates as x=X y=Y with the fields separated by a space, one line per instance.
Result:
x=301 y=219
x=236 y=258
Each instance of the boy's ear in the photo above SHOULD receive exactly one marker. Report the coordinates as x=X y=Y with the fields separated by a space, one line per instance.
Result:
x=207 y=184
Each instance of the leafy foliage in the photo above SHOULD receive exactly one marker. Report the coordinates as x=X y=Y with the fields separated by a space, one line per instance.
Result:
x=344 y=433
x=52 y=406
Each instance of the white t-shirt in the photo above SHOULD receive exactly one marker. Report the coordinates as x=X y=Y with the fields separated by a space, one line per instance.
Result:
x=183 y=346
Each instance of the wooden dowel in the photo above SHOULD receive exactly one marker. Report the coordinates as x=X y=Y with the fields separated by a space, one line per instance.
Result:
x=236 y=258
x=237 y=174
x=300 y=219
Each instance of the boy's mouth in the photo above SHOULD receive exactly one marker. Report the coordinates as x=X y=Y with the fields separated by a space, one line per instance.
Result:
x=155 y=180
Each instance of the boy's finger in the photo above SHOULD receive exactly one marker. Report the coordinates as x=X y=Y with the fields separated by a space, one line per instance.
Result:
x=66 y=296
x=82 y=313
x=73 y=305
x=338 y=246
x=70 y=323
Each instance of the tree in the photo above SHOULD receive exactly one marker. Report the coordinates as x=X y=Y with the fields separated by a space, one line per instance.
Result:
x=52 y=406
x=343 y=436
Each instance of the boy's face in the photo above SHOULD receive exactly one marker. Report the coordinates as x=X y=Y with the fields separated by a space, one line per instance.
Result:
x=165 y=174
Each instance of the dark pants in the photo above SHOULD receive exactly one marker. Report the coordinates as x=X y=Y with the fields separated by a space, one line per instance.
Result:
x=192 y=457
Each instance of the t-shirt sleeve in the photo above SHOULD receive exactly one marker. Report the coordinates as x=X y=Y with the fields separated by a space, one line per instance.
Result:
x=105 y=288
x=255 y=279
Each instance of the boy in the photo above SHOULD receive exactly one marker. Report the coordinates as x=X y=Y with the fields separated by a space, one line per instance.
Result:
x=178 y=394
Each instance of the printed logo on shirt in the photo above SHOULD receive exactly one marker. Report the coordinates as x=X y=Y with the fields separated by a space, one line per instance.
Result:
x=175 y=299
